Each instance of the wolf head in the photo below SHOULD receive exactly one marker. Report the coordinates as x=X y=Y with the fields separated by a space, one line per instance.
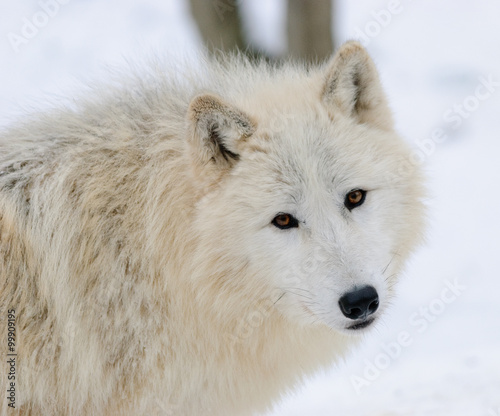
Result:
x=309 y=195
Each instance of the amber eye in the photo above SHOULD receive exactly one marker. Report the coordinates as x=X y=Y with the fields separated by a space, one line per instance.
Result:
x=354 y=199
x=285 y=221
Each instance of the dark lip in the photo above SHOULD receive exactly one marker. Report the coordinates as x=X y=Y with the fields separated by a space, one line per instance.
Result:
x=361 y=325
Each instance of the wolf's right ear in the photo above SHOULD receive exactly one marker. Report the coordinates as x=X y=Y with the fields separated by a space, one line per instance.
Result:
x=353 y=87
x=216 y=130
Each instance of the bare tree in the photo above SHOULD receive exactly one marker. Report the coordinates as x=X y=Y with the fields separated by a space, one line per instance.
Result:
x=309 y=27
x=220 y=24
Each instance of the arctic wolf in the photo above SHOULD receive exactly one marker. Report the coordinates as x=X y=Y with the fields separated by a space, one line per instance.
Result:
x=196 y=243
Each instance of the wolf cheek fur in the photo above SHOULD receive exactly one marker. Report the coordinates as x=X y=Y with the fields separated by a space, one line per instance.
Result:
x=198 y=247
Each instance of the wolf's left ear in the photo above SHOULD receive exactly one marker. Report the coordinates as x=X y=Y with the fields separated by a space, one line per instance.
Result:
x=216 y=130
x=353 y=87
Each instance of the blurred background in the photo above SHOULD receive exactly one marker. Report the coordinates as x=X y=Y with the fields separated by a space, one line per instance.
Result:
x=438 y=350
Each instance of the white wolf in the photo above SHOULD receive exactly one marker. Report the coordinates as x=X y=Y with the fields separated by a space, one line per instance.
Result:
x=194 y=244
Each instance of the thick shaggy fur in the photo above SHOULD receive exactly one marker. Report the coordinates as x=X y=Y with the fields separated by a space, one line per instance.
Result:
x=137 y=246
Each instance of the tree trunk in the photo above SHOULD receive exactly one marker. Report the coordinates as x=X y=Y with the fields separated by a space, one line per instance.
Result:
x=219 y=23
x=309 y=27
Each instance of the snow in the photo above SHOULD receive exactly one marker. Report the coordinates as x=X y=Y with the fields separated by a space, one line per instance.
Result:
x=437 y=352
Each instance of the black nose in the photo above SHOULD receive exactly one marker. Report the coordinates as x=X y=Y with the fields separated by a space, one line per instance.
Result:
x=359 y=303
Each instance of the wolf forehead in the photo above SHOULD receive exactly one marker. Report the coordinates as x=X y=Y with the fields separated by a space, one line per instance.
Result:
x=307 y=111
x=299 y=142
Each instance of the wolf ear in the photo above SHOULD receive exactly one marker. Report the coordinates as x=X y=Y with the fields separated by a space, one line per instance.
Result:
x=216 y=130
x=353 y=87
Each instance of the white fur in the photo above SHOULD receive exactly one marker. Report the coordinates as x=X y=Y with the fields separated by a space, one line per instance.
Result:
x=145 y=272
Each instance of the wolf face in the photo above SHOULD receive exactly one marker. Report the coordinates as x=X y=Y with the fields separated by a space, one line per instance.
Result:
x=321 y=209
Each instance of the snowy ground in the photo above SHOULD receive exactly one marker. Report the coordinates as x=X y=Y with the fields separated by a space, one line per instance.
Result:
x=438 y=351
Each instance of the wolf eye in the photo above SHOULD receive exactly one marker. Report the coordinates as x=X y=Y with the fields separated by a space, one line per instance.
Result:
x=354 y=199
x=285 y=221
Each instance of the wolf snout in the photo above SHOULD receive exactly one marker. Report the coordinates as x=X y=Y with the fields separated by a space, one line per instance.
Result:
x=359 y=303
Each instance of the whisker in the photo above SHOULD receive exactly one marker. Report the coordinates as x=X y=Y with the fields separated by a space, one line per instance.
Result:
x=291 y=290
x=283 y=294
x=390 y=277
x=390 y=261
x=297 y=288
